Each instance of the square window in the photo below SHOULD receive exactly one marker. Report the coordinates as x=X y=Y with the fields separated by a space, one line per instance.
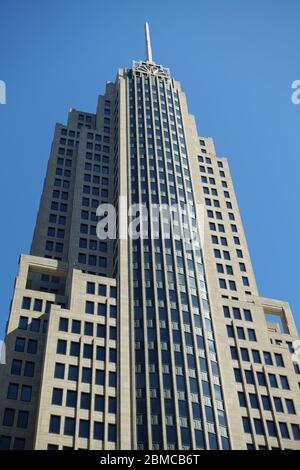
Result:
x=85 y=401
x=89 y=307
x=23 y=323
x=38 y=305
x=76 y=327
x=16 y=367
x=32 y=346
x=88 y=328
x=63 y=324
x=112 y=433
x=59 y=372
x=98 y=431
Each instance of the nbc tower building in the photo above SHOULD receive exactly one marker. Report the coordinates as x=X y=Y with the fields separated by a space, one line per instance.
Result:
x=148 y=342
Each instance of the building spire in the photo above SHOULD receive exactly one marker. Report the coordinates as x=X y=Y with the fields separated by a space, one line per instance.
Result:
x=148 y=43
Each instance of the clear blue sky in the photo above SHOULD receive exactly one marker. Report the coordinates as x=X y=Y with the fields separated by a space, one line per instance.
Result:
x=236 y=61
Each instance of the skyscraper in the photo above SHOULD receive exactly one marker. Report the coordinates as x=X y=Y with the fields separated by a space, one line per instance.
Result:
x=143 y=342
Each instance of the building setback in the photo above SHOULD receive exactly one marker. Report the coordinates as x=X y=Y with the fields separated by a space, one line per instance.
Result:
x=143 y=343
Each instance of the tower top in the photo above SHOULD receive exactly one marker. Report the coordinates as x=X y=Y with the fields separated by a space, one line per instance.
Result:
x=148 y=43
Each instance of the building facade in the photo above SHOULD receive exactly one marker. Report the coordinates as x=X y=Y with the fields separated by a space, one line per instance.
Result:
x=145 y=342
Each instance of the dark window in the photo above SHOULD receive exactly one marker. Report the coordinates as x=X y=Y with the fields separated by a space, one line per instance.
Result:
x=29 y=369
x=26 y=393
x=69 y=427
x=256 y=356
x=246 y=425
x=284 y=382
x=98 y=431
x=99 y=403
x=112 y=405
x=26 y=303
x=102 y=290
x=90 y=288
x=238 y=375
x=279 y=360
x=16 y=367
x=74 y=349
x=57 y=395
x=88 y=329
x=76 y=327
x=54 y=425
x=112 y=434
x=38 y=305
x=271 y=428
x=266 y=402
x=22 y=421
x=278 y=404
x=296 y=431
x=84 y=428
x=284 y=431
x=273 y=380
x=258 y=426
x=12 y=392
x=89 y=307
x=19 y=443
x=5 y=442
x=73 y=373
x=32 y=346
x=85 y=401
x=71 y=398
x=290 y=406
x=242 y=399
x=87 y=351
x=86 y=375
x=253 y=401
x=268 y=358
x=261 y=378
x=249 y=377
x=8 y=417
x=59 y=372
x=20 y=344
x=23 y=323
x=63 y=324
x=61 y=347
